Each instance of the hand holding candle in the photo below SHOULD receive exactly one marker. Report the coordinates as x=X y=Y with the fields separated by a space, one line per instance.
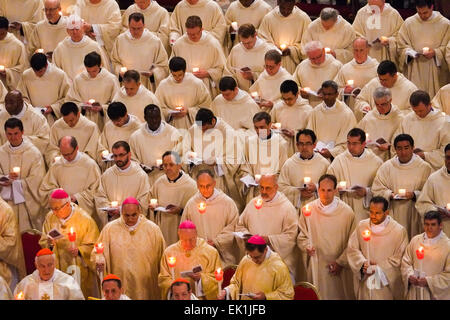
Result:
x=195 y=69
x=219 y=278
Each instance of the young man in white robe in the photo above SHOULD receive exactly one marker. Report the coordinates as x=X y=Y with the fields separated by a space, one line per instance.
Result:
x=141 y=50
x=123 y=180
x=323 y=120
x=246 y=59
x=45 y=86
x=379 y=22
x=387 y=77
x=158 y=134
x=381 y=122
x=429 y=128
x=203 y=53
x=181 y=95
x=400 y=180
x=322 y=219
x=266 y=89
x=135 y=95
x=69 y=54
x=312 y=72
x=382 y=240
x=35 y=125
x=285 y=27
x=13 y=56
x=215 y=214
x=425 y=263
x=93 y=89
x=291 y=113
x=334 y=32
x=422 y=42
x=47 y=282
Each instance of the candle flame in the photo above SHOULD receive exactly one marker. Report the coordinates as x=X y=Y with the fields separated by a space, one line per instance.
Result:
x=20 y=296
x=172 y=261
x=366 y=234
x=71 y=230
x=202 y=207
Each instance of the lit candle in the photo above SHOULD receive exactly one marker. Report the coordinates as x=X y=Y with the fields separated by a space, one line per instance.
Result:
x=57 y=158
x=20 y=296
x=99 y=258
x=91 y=101
x=283 y=46
x=99 y=248
x=193 y=155
x=2 y=68
x=219 y=277
x=425 y=50
x=179 y=108
x=327 y=50
x=306 y=180
x=257 y=178
x=72 y=235
x=39 y=51
x=402 y=192
x=366 y=235
x=306 y=210
x=254 y=94
x=114 y=204
x=153 y=202
x=258 y=203
x=420 y=252
x=171 y=261
x=367 y=137
x=123 y=69
x=16 y=170
x=60 y=13
x=342 y=185
x=195 y=69
x=234 y=25
x=277 y=125
x=307 y=89
x=448 y=206
x=105 y=153
x=158 y=162
x=201 y=207
x=383 y=38
x=350 y=83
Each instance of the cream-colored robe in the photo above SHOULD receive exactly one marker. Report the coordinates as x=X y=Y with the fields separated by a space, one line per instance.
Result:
x=268 y=87
x=435 y=264
x=356 y=171
x=69 y=55
x=312 y=76
x=156 y=19
x=253 y=58
x=277 y=219
x=401 y=91
x=85 y=131
x=381 y=126
x=361 y=74
x=191 y=93
x=117 y=185
x=111 y=133
x=204 y=255
x=103 y=88
x=35 y=127
x=79 y=178
x=5 y=292
x=217 y=223
x=290 y=30
x=293 y=118
x=253 y=14
x=11 y=252
x=32 y=171
x=435 y=193
x=27 y=12
x=205 y=54
x=372 y=26
x=105 y=16
x=271 y=277
x=238 y=113
x=293 y=172
x=441 y=100
x=3 y=92
x=415 y=34
x=143 y=54
x=48 y=90
x=137 y=103
x=209 y=12
x=329 y=235
x=47 y=36
x=65 y=287
x=431 y=134
x=393 y=176
x=13 y=57
x=86 y=236
x=176 y=193
x=168 y=139
x=134 y=256
x=386 y=250
x=339 y=38
x=323 y=122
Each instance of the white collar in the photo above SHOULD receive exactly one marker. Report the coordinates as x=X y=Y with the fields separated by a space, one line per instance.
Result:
x=21 y=113
x=377 y=228
x=124 y=170
x=329 y=108
x=329 y=208
x=16 y=148
x=79 y=42
x=213 y=196
x=362 y=156
x=258 y=42
x=275 y=197
x=433 y=15
x=77 y=157
x=49 y=280
x=239 y=95
x=368 y=60
x=408 y=163
x=157 y=131
x=128 y=122
x=431 y=241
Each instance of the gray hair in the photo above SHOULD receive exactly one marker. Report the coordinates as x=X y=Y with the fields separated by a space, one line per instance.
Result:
x=382 y=92
x=313 y=45
x=329 y=13
x=37 y=258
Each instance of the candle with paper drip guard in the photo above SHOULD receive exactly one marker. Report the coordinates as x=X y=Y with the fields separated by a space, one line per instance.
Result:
x=234 y=25
x=258 y=203
x=219 y=278
x=366 y=236
x=420 y=252
x=195 y=69
x=179 y=108
x=171 y=261
x=99 y=258
x=16 y=170
x=201 y=207
x=383 y=38
x=425 y=50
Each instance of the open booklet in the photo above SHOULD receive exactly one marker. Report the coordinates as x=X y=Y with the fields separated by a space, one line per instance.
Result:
x=55 y=234
x=324 y=145
x=248 y=180
x=188 y=273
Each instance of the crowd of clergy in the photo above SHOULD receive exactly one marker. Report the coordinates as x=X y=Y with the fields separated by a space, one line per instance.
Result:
x=151 y=150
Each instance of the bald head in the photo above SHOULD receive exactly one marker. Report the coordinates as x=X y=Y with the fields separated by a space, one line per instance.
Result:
x=378 y=3
x=269 y=186
x=14 y=102
x=68 y=147
x=361 y=49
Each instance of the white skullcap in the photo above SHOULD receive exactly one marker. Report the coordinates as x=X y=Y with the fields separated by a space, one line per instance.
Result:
x=74 y=22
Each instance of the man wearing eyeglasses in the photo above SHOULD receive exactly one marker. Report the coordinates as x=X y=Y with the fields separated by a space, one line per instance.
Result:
x=73 y=258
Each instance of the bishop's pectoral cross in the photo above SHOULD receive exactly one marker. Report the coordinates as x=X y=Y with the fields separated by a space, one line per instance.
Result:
x=45 y=297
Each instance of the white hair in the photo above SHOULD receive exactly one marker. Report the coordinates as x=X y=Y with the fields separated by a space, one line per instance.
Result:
x=37 y=258
x=74 y=22
x=382 y=92
x=313 y=45
x=329 y=13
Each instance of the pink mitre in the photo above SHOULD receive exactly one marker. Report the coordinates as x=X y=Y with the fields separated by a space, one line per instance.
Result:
x=256 y=239
x=59 y=194
x=130 y=200
x=187 y=224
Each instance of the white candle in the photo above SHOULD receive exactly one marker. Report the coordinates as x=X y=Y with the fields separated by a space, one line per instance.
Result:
x=425 y=50
x=257 y=178
x=16 y=169
x=283 y=46
x=195 y=69
x=158 y=162
x=350 y=83
x=254 y=94
x=39 y=51
x=179 y=108
x=448 y=206
x=57 y=158
x=306 y=89
x=277 y=125
x=234 y=25
x=327 y=50
x=105 y=153
x=123 y=69
x=402 y=192
x=60 y=13
x=343 y=184
x=153 y=202
x=91 y=101
x=114 y=203
x=383 y=38
x=367 y=137
x=193 y=155
x=2 y=68
x=306 y=180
